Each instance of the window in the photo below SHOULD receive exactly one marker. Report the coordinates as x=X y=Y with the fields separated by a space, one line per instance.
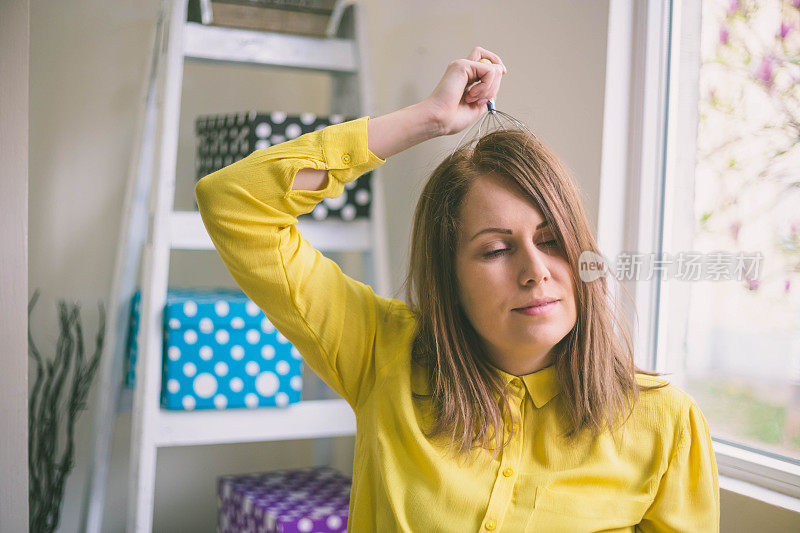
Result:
x=708 y=214
x=733 y=315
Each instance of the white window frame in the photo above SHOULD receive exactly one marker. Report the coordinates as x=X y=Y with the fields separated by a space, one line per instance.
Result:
x=649 y=133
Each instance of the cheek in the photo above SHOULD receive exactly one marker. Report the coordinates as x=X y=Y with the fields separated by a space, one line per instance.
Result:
x=478 y=280
x=465 y=279
x=462 y=283
x=476 y=290
x=568 y=288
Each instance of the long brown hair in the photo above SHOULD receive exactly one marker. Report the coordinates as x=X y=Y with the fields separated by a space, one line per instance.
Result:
x=594 y=363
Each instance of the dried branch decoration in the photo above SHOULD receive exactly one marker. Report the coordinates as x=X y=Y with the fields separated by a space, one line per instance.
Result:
x=45 y=410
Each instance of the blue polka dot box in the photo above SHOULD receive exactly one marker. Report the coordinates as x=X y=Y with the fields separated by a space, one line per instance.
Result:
x=220 y=351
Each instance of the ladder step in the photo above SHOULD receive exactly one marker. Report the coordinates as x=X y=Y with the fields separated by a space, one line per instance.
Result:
x=232 y=45
x=176 y=41
x=307 y=419
x=125 y=400
x=187 y=232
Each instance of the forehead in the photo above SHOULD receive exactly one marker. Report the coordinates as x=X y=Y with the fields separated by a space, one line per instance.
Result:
x=493 y=200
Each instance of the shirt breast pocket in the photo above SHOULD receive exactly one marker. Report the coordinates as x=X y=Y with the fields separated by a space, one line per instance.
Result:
x=556 y=511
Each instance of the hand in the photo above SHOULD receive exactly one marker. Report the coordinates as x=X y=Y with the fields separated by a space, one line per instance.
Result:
x=462 y=93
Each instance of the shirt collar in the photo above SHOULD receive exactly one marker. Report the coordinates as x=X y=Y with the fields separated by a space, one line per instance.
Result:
x=542 y=385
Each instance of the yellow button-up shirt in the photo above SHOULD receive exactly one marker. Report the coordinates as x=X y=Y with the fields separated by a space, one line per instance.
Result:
x=661 y=477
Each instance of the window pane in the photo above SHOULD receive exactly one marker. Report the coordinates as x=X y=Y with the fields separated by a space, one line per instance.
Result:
x=734 y=322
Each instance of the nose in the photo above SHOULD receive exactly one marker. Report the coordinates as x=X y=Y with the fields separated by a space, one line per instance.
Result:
x=534 y=265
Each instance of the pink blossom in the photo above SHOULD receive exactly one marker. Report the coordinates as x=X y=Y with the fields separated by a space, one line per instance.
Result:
x=734 y=229
x=785 y=29
x=733 y=8
x=724 y=35
x=787 y=285
x=796 y=3
x=794 y=229
x=752 y=284
x=766 y=70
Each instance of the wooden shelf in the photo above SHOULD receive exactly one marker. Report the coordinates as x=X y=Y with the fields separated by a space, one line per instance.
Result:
x=307 y=419
x=232 y=45
x=187 y=232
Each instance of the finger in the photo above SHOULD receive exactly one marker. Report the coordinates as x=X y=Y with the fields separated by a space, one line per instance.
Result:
x=483 y=93
x=488 y=82
x=497 y=62
x=479 y=53
x=495 y=88
x=474 y=93
x=482 y=66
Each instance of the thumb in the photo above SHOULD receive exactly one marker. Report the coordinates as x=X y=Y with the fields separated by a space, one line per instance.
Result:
x=484 y=74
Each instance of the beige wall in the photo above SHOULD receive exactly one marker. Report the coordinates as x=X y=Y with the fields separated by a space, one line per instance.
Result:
x=14 y=42
x=87 y=63
x=555 y=53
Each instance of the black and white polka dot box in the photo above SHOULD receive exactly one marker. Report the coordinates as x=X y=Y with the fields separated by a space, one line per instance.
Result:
x=225 y=139
x=220 y=352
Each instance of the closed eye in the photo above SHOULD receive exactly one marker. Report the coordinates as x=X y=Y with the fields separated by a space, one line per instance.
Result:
x=549 y=244
x=496 y=252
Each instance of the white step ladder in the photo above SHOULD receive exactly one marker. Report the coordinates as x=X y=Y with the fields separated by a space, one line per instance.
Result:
x=151 y=229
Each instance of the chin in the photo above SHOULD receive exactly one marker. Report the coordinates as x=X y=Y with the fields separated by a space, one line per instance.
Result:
x=545 y=333
x=547 y=342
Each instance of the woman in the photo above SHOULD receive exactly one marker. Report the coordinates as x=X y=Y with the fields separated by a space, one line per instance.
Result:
x=475 y=410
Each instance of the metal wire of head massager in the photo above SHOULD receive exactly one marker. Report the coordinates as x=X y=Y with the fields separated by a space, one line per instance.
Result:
x=494 y=120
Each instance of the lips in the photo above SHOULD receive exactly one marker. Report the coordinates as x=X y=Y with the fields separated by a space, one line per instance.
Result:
x=537 y=302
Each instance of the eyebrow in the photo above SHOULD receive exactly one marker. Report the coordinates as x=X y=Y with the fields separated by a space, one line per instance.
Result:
x=504 y=230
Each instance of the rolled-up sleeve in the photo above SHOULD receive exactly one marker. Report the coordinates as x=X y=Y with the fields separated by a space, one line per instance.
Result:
x=250 y=209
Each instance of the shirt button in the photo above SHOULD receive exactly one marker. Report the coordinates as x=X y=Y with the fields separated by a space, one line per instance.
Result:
x=346 y=159
x=490 y=525
x=508 y=472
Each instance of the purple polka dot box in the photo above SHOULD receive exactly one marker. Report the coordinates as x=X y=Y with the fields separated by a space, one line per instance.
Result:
x=220 y=352
x=304 y=500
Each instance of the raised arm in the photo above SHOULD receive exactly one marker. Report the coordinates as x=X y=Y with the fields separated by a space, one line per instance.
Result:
x=446 y=111
x=387 y=135
x=250 y=209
